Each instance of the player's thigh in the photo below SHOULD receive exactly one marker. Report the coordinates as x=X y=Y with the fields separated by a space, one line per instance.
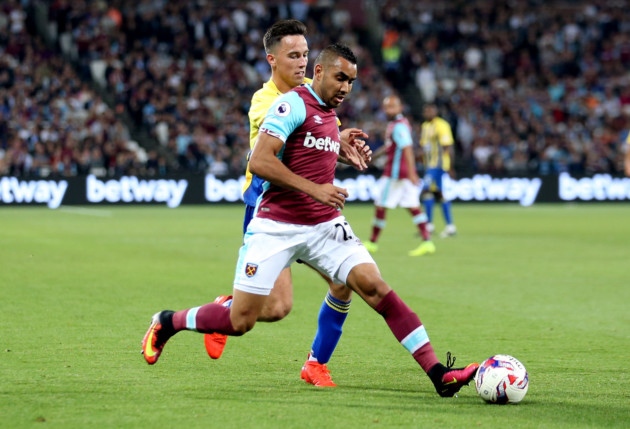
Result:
x=365 y=279
x=436 y=177
x=268 y=248
x=333 y=249
x=283 y=287
x=280 y=301
x=432 y=180
x=338 y=290
x=410 y=195
x=390 y=193
x=245 y=309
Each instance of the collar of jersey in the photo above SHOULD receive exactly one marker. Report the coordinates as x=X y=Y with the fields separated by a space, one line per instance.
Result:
x=310 y=88
x=273 y=86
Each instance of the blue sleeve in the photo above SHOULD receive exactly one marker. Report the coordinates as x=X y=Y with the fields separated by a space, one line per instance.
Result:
x=401 y=135
x=286 y=114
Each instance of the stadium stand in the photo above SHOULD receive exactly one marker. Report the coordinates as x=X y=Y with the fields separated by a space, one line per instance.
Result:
x=51 y=122
x=153 y=87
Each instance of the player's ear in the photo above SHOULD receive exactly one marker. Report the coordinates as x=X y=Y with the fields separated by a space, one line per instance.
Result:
x=318 y=70
x=271 y=59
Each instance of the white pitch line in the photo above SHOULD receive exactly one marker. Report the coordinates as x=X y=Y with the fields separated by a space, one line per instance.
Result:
x=85 y=211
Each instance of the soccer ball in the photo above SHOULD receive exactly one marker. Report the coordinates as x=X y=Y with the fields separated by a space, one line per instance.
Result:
x=502 y=379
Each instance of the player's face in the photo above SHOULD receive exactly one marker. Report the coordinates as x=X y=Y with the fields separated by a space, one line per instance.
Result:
x=289 y=62
x=430 y=112
x=336 y=81
x=392 y=107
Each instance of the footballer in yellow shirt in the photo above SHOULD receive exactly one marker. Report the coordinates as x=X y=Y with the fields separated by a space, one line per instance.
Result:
x=436 y=141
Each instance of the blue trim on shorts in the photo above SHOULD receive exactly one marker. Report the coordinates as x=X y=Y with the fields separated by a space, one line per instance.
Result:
x=249 y=215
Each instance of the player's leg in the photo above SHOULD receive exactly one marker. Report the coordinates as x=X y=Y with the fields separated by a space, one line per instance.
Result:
x=265 y=245
x=420 y=220
x=235 y=320
x=215 y=342
x=427 y=247
x=386 y=189
x=410 y=200
x=427 y=198
x=378 y=224
x=332 y=315
x=277 y=307
x=280 y=301
x=358 y=271
x=406 y=326
x=449 y=229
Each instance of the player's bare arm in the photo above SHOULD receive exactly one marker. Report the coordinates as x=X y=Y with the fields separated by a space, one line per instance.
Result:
x=265 y=163
x=379 y=153
x=411 y=165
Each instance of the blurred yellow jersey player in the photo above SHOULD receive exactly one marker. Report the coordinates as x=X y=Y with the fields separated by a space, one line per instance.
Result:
x=437 y=141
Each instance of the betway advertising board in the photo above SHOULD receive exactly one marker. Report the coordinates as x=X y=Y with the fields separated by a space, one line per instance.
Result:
x=181 y=190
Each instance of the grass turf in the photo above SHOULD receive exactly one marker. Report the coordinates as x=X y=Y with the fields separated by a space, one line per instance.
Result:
x=547 y=284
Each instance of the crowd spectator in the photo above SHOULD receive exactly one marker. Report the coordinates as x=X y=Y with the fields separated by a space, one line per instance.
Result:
x=528 y=87
x=185 y=71
x=51 y=123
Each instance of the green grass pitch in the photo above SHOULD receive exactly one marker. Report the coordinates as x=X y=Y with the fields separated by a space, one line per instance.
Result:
x=548 y=284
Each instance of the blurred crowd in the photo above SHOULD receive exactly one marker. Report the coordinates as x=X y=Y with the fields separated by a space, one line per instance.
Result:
x=528 y=87
x=533 y=87
x=51 y=122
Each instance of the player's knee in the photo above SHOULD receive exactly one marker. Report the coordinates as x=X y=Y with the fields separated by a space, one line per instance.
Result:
x=280 y=301
x=242 y=325
x=276 y=311
x=340 y=291
x=367 y=281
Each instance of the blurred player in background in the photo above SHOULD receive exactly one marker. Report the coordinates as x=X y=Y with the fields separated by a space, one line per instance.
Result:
x=400 y=184
x=287 y=53
x=436 y=141
x=626 y=164
x=299 y=217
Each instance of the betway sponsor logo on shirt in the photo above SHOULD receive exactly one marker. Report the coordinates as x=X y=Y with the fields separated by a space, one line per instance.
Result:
x=326 y=144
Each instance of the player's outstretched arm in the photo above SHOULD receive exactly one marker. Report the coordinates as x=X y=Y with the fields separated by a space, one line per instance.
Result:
x=354 y=151
x=264 y=163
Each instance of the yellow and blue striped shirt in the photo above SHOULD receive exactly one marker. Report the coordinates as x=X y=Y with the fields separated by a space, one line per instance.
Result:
x=436 y=134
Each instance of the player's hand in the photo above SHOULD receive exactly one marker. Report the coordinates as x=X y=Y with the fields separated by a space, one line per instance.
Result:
x=330 y=195
x=353 y=149
x=414 y=179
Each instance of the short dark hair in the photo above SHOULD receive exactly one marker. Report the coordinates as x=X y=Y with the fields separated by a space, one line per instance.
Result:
x=331 y=52
x=280 y=29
